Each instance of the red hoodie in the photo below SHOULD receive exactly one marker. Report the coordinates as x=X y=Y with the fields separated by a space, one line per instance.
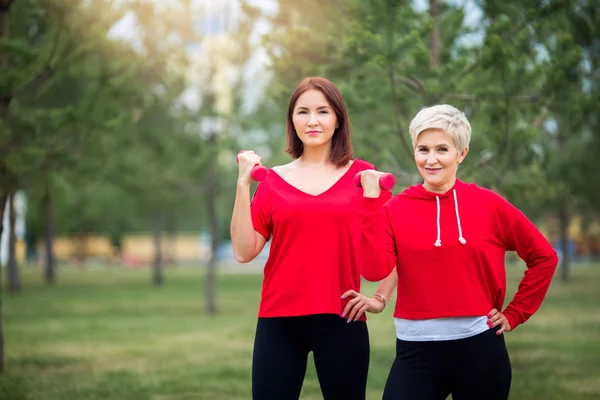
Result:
x=449 y=251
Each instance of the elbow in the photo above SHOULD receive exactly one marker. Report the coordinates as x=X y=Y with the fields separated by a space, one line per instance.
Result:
x=374 y=269
x=239 y=254
x=550 y=260
x=242 y=252
x=554 y=260
x=372 y=276
x=547 y=262
x=242 y=258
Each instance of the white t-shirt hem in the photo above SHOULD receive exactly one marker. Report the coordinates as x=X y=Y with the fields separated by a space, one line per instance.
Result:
x=439 y=329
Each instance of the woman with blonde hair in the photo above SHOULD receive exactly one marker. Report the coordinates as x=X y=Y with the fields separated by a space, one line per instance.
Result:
x=447 y=240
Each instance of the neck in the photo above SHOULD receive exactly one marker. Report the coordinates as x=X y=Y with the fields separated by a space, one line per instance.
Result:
x=316 y=156
x=440 y=189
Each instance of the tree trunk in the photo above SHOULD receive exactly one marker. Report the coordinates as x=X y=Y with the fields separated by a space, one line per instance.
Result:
x=171 y=229
x=4 y=110
x=563 y=221
x=81 y=249
x=157 y=266
x=49 y=262
x=14 y=282
x=4 y=29
x=1 y=327
x=212 y=190
x=3 y=199
x=4 y=60
x=434 y=45
x=211 y=268
x=4 y=116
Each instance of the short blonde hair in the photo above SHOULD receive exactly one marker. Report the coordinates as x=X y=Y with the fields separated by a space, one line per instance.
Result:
x=445 y=117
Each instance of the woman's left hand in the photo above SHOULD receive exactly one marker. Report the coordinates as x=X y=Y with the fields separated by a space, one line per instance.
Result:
x=496 y=318
x=360 y=303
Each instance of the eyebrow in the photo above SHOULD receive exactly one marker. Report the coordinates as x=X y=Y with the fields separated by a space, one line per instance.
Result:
x=306 y=108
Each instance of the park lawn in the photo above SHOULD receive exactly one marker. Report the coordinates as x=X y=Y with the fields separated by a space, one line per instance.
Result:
x=108 y=334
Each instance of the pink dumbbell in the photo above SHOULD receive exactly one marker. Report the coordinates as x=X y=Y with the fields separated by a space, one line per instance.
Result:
x=258 y=172
x=386 y=181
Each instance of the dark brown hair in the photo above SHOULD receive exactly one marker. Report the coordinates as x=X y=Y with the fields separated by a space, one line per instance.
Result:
x=341 y=146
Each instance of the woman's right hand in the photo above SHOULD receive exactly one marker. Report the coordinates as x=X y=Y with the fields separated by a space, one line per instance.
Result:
x=359 y=304
x=246 y=161
x=369 y=180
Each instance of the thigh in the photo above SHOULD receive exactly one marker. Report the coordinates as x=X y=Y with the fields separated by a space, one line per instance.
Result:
x=482 y=368
x=341 y=353
x=279 y=360
x=417 y=373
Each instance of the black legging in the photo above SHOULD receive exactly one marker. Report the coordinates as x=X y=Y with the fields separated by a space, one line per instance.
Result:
x=473 y=368
x=281 y=347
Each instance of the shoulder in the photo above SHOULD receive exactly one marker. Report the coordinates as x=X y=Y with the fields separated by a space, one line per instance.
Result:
x=401 y=199
x=283 y=170
x=484 y=195
x=362 y=165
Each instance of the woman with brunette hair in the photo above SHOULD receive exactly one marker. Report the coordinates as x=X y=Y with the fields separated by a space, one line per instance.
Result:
x=309 y=208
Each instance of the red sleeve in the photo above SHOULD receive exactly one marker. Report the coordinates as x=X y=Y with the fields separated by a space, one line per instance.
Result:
x=520 y=235
x=260 y=210
x=377 y=249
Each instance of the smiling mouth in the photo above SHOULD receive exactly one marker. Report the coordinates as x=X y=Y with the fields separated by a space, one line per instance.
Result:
x=433 y=169
x=313 y=133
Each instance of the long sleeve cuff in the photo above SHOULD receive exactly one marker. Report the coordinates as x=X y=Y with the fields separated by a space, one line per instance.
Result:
x=513 y=317
x=371 y=204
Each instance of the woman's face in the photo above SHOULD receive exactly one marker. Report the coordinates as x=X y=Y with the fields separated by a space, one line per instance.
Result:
x=314 y=119
x=437 y=160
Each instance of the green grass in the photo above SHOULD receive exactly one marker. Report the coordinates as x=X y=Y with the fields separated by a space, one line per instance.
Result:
x=110 y=335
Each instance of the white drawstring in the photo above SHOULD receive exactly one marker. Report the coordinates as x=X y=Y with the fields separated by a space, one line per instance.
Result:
x=438 y=242
x=461 y=239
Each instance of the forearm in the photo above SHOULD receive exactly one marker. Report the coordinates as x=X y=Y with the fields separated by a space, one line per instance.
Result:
x=540 y=258
x=243 y=235
x=532 y=290
x=387 y=286
x=377 y=249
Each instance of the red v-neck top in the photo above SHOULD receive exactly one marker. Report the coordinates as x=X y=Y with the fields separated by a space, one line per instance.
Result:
x=313 y=259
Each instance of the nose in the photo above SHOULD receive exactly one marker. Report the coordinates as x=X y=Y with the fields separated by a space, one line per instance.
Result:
x=312 y=121
x=431 y=158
